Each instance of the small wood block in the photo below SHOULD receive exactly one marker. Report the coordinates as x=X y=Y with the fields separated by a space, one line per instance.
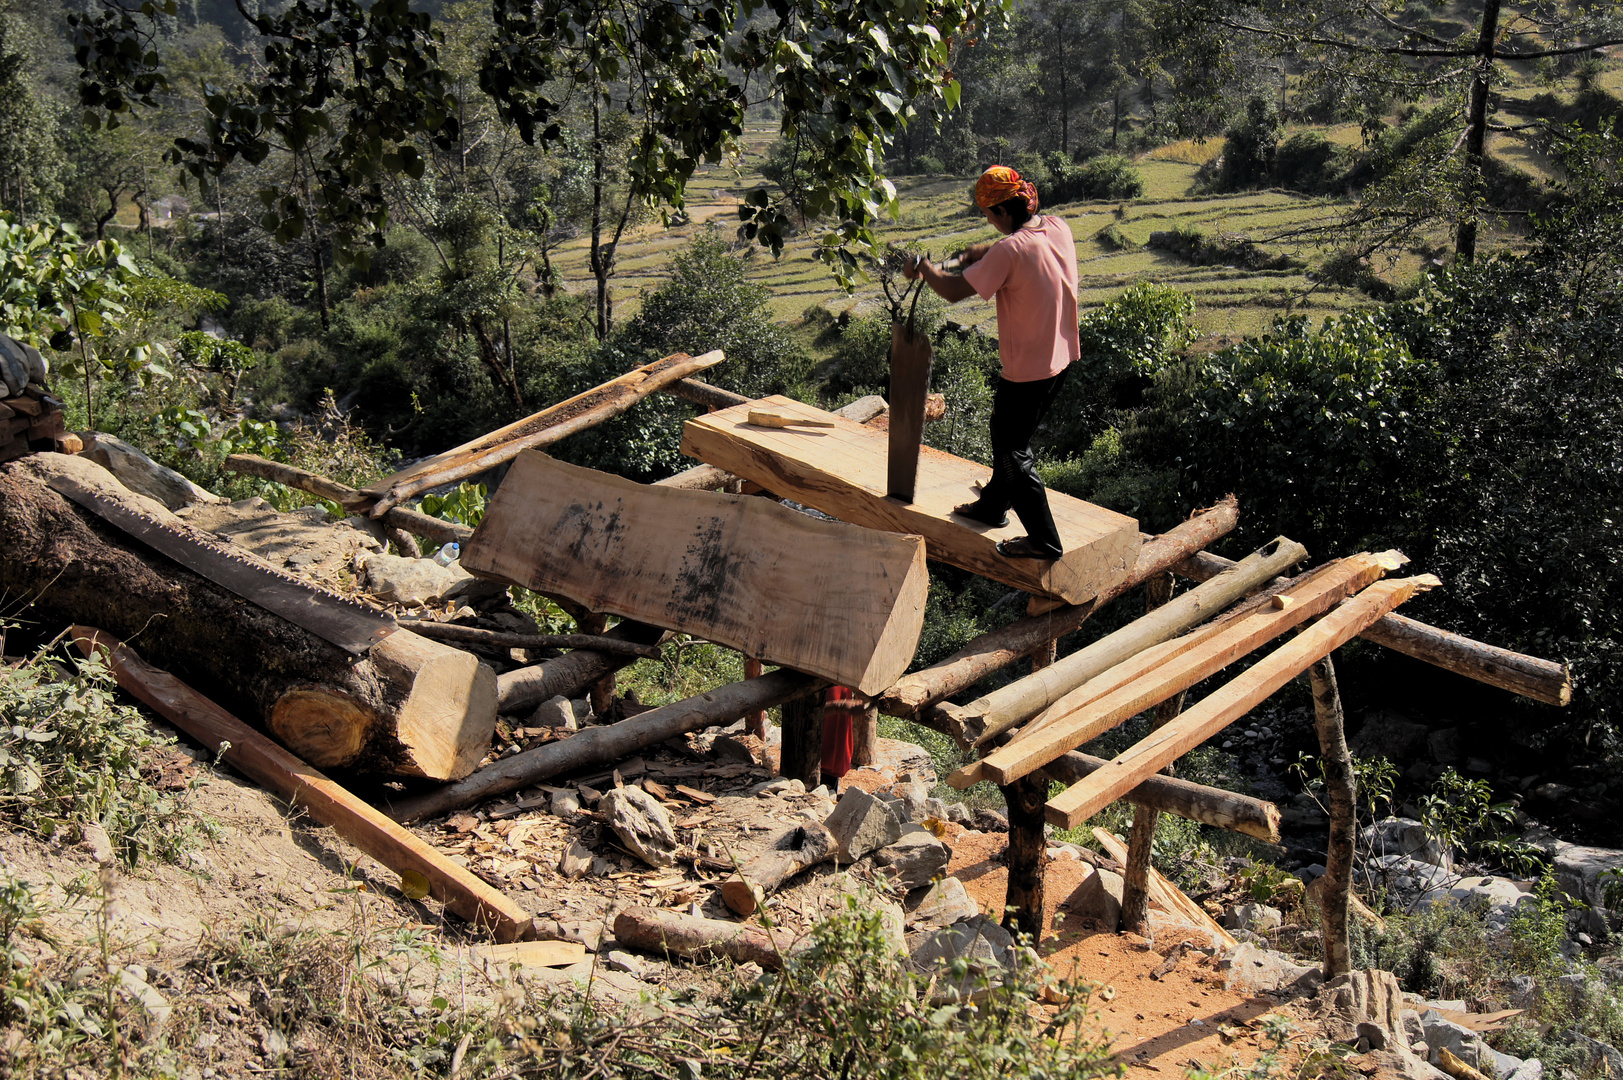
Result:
x=70 y=444
x=25 y=406
x=1279 y=601
x=533 y=953
x=48 y=426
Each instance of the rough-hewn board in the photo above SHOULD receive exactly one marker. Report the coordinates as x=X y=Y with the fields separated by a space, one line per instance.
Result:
x=1229 y=702
x=295 y=782
x=831 y=599
x=842 y=472
x=540 y=429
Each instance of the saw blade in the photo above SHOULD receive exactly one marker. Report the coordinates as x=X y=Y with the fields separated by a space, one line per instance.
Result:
x=347 y=623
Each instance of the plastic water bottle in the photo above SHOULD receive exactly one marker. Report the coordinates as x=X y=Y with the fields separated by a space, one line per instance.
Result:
x=448 y=554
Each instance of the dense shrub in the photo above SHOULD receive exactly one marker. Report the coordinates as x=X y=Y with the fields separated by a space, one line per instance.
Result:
x=1306 y=162
x=1249 y=148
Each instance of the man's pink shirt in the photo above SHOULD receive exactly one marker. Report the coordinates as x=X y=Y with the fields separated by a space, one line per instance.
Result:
x=1032 y=272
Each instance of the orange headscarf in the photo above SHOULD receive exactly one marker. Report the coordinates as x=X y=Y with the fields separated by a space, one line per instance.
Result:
x=1001 y=183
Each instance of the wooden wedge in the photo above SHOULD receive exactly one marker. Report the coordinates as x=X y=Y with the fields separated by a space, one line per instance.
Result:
x=1155 y=675
x=1230 y=702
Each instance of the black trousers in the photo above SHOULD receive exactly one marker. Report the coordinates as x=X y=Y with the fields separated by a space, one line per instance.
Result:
x=1017 y=409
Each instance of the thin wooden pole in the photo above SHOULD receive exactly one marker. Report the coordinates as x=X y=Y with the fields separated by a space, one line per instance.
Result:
x=802 y=751
x=602 y=691
x=1342 y=785
x=1028 y=846
x=1135 y=895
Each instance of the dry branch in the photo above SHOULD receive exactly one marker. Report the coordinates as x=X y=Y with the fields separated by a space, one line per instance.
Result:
x=296 y=783
x=473 y=635
x=412 y=521
x=668 y=933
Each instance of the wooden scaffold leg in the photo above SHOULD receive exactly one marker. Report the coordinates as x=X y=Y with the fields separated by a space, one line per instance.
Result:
x=1135 y=896
x=802 y=757
x=1342 y=786
x=865 y=737
x=755 y=722
x=1028 y=847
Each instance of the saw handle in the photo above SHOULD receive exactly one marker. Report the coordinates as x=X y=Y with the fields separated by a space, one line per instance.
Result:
x=761 y=418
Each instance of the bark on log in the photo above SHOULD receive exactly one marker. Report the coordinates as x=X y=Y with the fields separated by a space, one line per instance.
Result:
x=527 y=687
x=1197 y=802
x=296 y=783
x=1529 y=676
x=797 y=850
x=1022 y=699
x=1028 y=848
x=413 y=708
x=667 y=933
x=542 y=429
x=801 y=755
x=702 y=393
x=1341 y=783
x=474 y=635
x=598 y=745
x=999 y=648
x=412 y=521
x=864 y=737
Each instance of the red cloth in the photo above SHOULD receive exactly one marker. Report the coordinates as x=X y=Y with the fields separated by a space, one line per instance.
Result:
x=837 y=735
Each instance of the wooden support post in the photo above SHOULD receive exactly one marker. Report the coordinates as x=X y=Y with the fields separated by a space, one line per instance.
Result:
x=601 y=692
x=1135 y=896
x=755 y=722
x=1028 y=848
x=865 y=737
x=802 y=750
x=1342 y=785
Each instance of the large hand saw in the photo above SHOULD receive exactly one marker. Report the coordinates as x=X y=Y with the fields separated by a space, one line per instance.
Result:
x=350 y=625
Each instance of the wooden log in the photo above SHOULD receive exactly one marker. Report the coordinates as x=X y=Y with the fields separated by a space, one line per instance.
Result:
x=801 y=756
x=411 y=707
x=997 y=649
x=1022 y=699
x=667 y=933
x=1341 y=784
x=415 y=522
x=755 y=722
x=474 y=635
x=1027 y=851
x=796 y=850
x=1154 y=675
x=1141 y=841
x=1168 y=897
x=298 y=784
x=527 y=687
x=838 y=601
x=1197 y=802
x=1457 y=1067
x=599 y=745
x=702 y=393
x=709 y=478
x=864 y=737
x=1529 y=676
x=842 y=472
x=541 y=429
x=1230 y=702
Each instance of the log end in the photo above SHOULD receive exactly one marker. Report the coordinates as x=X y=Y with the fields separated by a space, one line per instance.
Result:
x=445 y=725
x=741 y=895
x=323 y=725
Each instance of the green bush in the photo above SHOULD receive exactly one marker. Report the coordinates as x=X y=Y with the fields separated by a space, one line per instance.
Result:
x=1306 y=162
x=1249 y=148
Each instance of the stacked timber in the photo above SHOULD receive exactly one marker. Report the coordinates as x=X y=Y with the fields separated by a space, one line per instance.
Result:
x=32 y=419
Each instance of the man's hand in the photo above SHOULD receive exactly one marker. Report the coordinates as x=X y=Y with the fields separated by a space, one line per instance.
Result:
x=973 y=254
x=913 y=267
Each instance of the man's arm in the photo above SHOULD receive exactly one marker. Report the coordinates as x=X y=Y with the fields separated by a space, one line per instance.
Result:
x=950 y=287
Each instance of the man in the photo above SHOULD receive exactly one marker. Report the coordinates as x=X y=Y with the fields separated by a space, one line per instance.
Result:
x=1032 y=273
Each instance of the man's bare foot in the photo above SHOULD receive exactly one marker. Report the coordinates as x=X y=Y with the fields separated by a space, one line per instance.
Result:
x=973 y=512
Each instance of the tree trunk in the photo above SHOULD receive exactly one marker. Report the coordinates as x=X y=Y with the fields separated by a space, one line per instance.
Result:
x=796 y=850
x=1028 y=847
x=528 y=687
x=668 y=933
x=1341 y=784
x=1476 y=131
x=411 y=707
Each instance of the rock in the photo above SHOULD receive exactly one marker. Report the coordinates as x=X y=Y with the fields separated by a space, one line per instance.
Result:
x=1522 y=992
x=576 y=860
x=555 y=712
x=618 y=960
x=100 y=846
x=981 y=942
x=642 y=824
x=1457 y=1039
x=893 y=921
x=1405 y=878
x=601 y=867
x=1372 y=1035
x=141 y=474
x=1579 y=868
x=1257 y=918
x=1406 y=837
x=1531 y=1069
x=582 y=708
x=1444 y=745
x=991 y=820
x=565 y=803
x=1504 y=1064
x=862 y=823
x=915 y=860
x=1098 y=897
x=937 y=808
x=374 y=537
x=1480 y=893
x=1594 y=1055
x=1413 y=1031
x=914 y=796
x=1404 y=1065
x=422 y=581
x=959 y=814
x=946 y=902
x=740 y=748
x=907 y=761
x=780 y=786
x=1369 y=999
x=1249 y=969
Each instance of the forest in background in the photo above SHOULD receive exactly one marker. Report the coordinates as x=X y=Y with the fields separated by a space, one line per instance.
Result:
x=323 y=293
